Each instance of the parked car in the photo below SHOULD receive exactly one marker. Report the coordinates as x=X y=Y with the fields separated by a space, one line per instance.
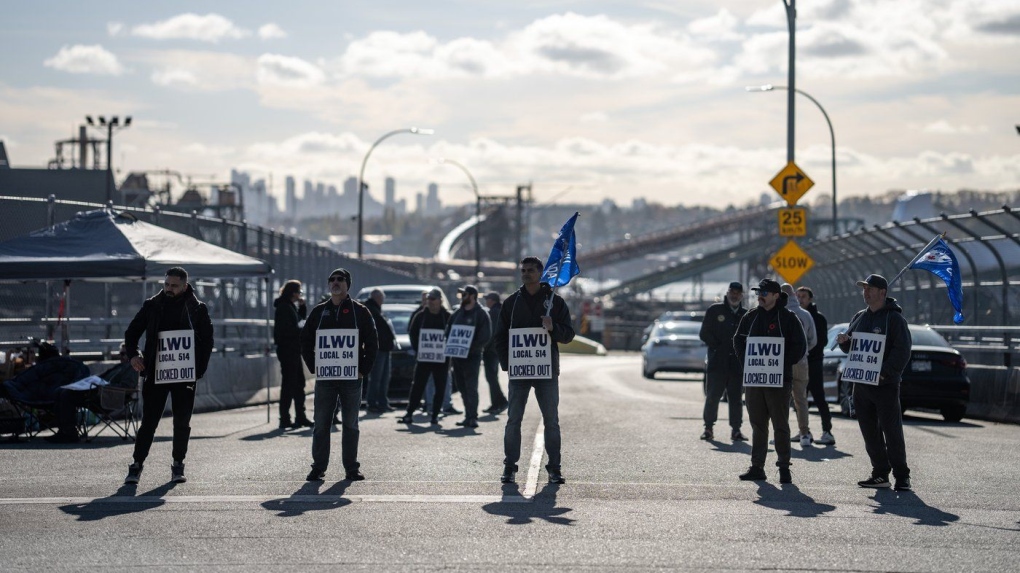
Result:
x=401 y=294
x=935 y=377
x=402 y=359
x=673 y=346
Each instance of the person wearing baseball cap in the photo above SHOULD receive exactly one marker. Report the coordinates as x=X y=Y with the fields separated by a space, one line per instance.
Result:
x=722 y=373
x=768 y=395
x=878 y=404
x=471 y=322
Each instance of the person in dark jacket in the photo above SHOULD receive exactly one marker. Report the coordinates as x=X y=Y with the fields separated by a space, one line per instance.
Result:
x=291 y=310
x=172 y=320
x=528 y=315
x=878 y=403
x=466 y=359
x=69 y=400
x=430 y=360
x=338 y=344
x=723 y=371
x=768 y=393
x=379 y=379
x=816 y=387
x=490 y=359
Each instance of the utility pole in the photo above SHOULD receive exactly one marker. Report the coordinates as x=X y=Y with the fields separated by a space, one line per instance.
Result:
x=791 y=22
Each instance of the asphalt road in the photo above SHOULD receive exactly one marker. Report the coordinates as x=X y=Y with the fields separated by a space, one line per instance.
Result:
x=642 y=493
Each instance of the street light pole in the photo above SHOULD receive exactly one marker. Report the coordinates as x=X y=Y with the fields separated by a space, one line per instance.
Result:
x=478 y=214
x=832 y=136
x=791 y=23
x=361 y=178
x=114 y=123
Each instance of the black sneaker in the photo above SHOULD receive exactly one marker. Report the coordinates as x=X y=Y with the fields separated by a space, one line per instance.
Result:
x=355 y=475
x=754 y=473
x=902 y=484
x=316 y=475
x=707 y=434
x=451 y=410
x=785 y=476
x=285 y=423
x=876 y=482
x=737 y=436
x=134 y=473
x=302 y=422
x=177 y=472
x=509 y=475
x=405 y=419
x=556 y=477
x=494 y=410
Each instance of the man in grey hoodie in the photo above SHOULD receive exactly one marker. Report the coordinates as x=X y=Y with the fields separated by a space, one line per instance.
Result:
x=800 y=369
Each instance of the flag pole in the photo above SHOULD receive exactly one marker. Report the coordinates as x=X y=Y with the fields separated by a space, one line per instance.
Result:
x=941 y=235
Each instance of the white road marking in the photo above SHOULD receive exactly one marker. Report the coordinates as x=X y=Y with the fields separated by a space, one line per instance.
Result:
x=537 y=451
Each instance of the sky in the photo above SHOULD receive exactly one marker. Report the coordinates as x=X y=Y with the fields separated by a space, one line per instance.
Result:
x=586 y=100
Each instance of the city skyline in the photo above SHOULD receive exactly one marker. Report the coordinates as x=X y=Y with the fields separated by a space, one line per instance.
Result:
x=585 y=100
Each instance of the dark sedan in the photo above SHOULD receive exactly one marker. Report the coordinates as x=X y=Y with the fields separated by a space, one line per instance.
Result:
x=401 y=360
x=935 y=377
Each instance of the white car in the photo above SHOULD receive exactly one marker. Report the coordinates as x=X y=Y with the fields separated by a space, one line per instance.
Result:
x=401 y=294
x=673 y=346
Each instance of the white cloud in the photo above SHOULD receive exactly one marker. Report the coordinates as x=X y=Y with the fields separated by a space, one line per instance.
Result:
x=595 y=117
x=286 y=71
x=114 y=29
x=199 y=70
x=174 y=78
x=80 y=59
x=207 y=28
x=271 y=31
x=943 y=127
x=722 y=26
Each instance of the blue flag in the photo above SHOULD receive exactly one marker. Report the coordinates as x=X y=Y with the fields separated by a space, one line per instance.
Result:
x=939 y=260
x=562 y=263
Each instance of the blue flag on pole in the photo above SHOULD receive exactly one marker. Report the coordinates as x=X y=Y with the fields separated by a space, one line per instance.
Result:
x=940 y=260
x=562 y=263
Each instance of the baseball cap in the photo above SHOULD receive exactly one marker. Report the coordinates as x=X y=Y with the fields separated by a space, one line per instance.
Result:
x=435 y=293
x=493 y=296
x=469 y=289
x=343 y=273
x=737 y=286
x=877 y=281
x=767 y=285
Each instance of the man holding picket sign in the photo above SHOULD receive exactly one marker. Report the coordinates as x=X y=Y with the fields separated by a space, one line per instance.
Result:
x=427 y=332
x=339 y=344
x=531 y=323
x=467 y=334
x=877 y=344
x=769 y=341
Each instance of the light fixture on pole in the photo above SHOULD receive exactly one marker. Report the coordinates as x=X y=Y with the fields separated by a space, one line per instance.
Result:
x=478 y=213
x=361 y=178
x=113 y=123
x=832 y=136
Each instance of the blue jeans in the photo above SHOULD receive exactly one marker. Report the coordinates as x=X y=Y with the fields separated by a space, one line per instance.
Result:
x=547 y=392
x=466 y=372
x=329 y=393
x=379 y=381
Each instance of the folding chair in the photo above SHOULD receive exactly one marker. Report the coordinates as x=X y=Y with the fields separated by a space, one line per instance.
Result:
x=111 y=408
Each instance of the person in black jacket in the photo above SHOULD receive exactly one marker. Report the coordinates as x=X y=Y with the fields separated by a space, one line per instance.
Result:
x=338 y=344
x=290 y=311
x=470 y=317
x=723 y=371
x=174 y=320
x=806 y=298
x=768 y=394
x=430 y=361
x=526 y=313
x=379 y=379
x=878 y=404
x=490 y=359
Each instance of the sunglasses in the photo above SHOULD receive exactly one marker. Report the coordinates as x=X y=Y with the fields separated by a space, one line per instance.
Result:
x=337 y=279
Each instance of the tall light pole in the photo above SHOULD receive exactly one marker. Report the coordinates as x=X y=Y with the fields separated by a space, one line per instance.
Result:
x=361 y=178
x=832 y=136
x=478 y=214
x=114 y=123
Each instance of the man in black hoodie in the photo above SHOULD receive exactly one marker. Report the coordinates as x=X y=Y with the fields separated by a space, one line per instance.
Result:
x=379 y=379
x=178 y=344
x=878 y=401
x=338 y=344
x=290 y=311
x=532 y=319
x=467 y=334
x=767 y=391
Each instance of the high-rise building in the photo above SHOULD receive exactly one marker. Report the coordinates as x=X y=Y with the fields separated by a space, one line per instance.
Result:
x=432 y=203
x=290 y=202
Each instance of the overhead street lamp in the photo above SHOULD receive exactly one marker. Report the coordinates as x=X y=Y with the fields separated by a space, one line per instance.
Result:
x=113 y=123
x=832 y=135
x=361 y=178
x=478 y=214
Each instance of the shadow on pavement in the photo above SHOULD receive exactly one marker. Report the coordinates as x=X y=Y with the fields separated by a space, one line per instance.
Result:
x=542 y=507
x=909 y=420
x=121 y=503
x=818 y=453
x=309 y=498
x=731 y=447
x=907 y=504
x=274 y=433
x=790 y=499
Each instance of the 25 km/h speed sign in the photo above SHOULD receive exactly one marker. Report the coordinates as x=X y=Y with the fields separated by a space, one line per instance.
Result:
x=791 y=262
x=793 y=222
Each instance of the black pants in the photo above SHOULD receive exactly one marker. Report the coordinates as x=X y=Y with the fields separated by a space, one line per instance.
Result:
x=881 y=421
x=292 y=384
x=721 y=380
x=490 y=359
x=816 y=388
x=766 y=405
x=422 y=370
x=182 y=402
x=66 y=409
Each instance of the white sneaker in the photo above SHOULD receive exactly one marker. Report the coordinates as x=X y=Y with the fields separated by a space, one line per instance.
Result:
x=795 y=439
x=806 y=440
x=826 y=439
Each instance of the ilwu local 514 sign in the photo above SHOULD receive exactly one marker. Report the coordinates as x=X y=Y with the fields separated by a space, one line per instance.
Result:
x=791 y=262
